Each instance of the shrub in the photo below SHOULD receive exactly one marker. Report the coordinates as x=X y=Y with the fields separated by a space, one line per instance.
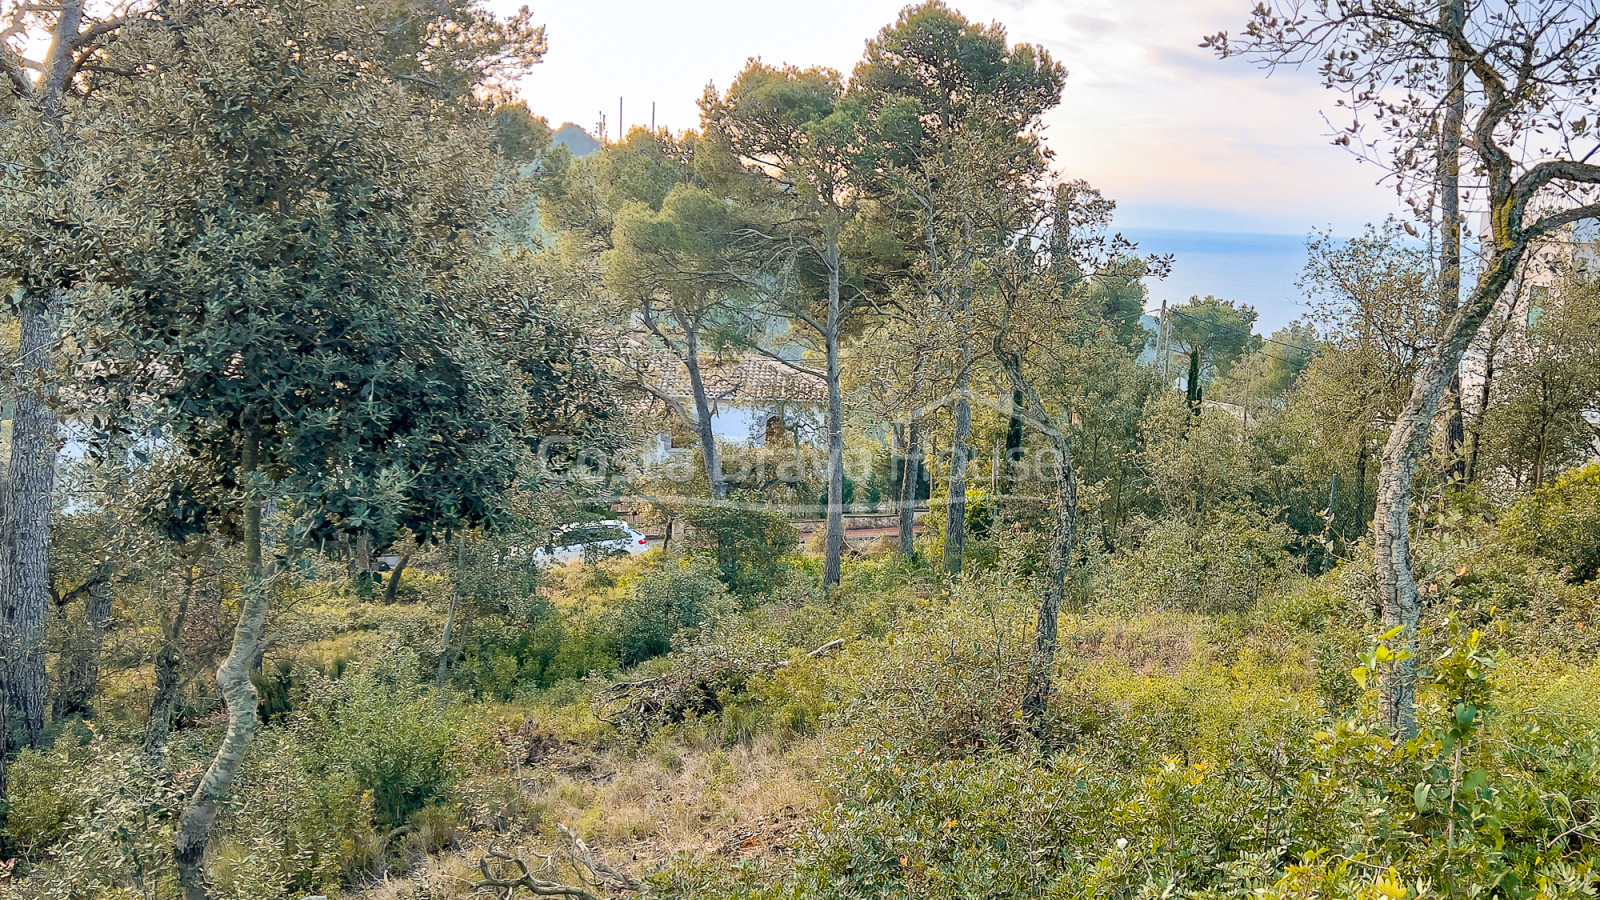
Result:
x=1560 y=522
x=949 y=680
x=749 y=544
x=94 y=821
x=390 y=739
x=1223 y=563
x=675 y=595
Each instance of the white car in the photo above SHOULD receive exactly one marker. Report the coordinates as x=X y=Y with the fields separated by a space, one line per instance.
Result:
x=591 y=540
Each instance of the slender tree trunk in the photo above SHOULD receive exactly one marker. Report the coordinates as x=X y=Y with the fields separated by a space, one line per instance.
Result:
x=238 y=695
x=1397 y=586
x=1362 y=455
x=1484 y=394
x=911 y=468
x=392 y=585
x=79 y=676
x=910 y=479
x=169 y=665
x=1541 y=449
x=1036 y=691
x=897 y=454
x=1452 y=14
x=450 y=619
x=834 y=552
x=1013 y=458
x=702 y=414
x=1192 y=388
x=955 y=531
x=25 y=532
x=955 y=528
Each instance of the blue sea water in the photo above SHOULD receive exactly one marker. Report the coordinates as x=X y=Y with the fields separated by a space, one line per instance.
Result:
x=1258 y=269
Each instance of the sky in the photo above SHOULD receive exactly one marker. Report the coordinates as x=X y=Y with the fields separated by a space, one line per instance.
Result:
x=1182 y=142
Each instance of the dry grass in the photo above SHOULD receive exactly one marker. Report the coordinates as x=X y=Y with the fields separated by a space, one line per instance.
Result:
x=683 y=794
x=1146 y=645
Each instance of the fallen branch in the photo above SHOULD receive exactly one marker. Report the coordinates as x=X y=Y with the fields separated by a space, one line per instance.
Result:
x=693 y=687
x=600 y=874
x=526 y=879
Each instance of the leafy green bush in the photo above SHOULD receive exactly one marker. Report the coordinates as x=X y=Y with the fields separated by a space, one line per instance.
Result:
x=674 y=595
x=949 y=680
x=91 y=821
x=41 y=807
x=750 y=545
x=385 y=736
x=1225 y=562
x=1560 y=522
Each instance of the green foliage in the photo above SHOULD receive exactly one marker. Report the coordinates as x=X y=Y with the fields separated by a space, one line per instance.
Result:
x=749 y=545
x=390 y=741
x=949 y=680
x=1560 y=522
x=92 y=821
x=677 y=594
x=1224 y=562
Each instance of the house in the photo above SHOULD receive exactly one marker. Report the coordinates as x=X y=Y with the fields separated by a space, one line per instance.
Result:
x=1576 y=248
x=755 y=401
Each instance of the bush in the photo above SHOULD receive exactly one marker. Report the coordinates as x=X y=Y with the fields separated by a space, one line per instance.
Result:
x=1560 y=522
x=91 y=821
x=675 y=595
x=1224 y=563
x=388 y=738
x=748 y=544
x=949 y=680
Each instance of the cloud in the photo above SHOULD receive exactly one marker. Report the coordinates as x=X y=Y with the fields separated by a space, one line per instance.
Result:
x=1147 y=115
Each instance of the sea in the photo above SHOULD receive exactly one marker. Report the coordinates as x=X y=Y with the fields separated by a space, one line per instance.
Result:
x=1258 y=269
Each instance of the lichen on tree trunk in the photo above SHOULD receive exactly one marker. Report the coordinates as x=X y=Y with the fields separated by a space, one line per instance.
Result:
x=238 y=695
x=25 y=529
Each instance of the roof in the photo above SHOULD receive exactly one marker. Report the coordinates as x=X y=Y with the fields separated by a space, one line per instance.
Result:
x=747 y=378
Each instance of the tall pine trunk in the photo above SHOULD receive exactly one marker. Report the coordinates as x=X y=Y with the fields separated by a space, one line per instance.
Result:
x=834 y=547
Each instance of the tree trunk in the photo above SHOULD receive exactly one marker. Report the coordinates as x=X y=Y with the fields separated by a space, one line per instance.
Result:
x=25 y=532
x=80 y=664
x=1452 y=15
x=1397 y=587
x=910 y=479
x=1484 y=394
x=392 y=584
x=1036 y=691
x=1013 y=457
x=702 y=414
x=834 y=551
x=450 y=619
x=169 y=666
x=955 y=527
x=238 y=695
x=1361 y=489
x=1192 y=388
x=1541 y=449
